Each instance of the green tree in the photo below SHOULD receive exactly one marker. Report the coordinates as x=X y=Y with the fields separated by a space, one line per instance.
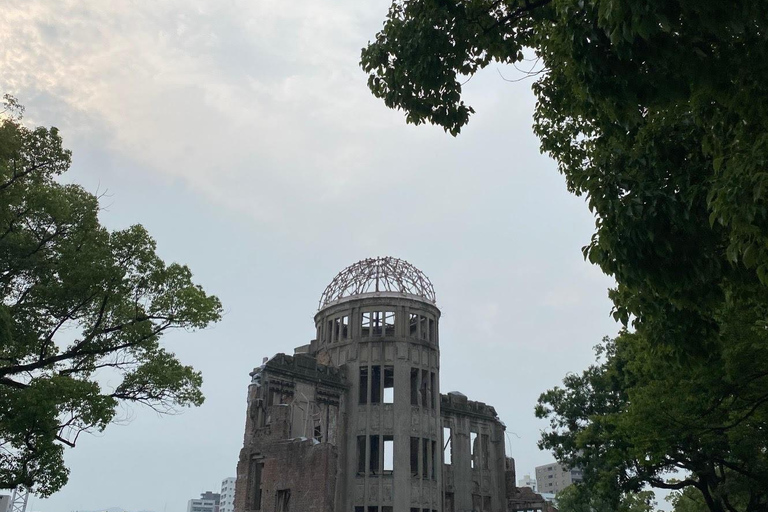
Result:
x=687 y=500
x=577 y=498
x=657 y=112
x=79 y=303
x=638 y=414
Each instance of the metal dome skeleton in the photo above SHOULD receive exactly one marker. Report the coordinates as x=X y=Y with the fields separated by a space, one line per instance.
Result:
x=374 y=275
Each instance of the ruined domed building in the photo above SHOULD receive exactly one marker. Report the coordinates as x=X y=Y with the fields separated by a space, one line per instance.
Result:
x=355 y=421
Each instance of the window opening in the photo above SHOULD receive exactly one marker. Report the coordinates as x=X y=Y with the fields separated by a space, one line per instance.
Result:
x=431 y=330
x=473 y=448
x=485 y=450
x=373 y=508
x=374 y=463
x=448 y=502
x=329 y=332
x=423 y=330
x=359 y=509
x=318 y=431
x=477 y=502
x=255 y=483
x=414 y=386
x=425 y=388
x=363 y=384
x=360 y=455
x=377 y=323
x=433 y=459
x=447 y=446
x=413 y=325
x=336 y=329
x=415 y=456
x=344 y=327
x=389 y=454
x=366 y=324
x=424 y=459
x=389 y=323
x=375 y=384
x=283 y=500
x=389 y=385
x=487 y=504
x=433 y=390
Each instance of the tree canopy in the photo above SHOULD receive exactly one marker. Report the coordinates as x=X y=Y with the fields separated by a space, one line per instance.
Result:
x=657 y=112
x=577 y=498
x=79 y=302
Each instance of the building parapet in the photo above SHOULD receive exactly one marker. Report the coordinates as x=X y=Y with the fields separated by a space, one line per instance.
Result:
x=457 y=403
x=304 y=367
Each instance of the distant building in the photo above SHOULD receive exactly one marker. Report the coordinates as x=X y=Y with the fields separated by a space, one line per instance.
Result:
x=527 y=481
x=555 y=477
x=208 y=502
x=227 y=500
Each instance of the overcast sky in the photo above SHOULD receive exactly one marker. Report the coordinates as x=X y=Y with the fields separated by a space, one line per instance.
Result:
x=242 y=135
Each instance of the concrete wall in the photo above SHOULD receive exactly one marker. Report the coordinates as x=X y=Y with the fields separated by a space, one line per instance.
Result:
x=403 y=349
x=476 y=478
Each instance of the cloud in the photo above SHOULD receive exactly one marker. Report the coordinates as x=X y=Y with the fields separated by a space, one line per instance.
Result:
x=241 y=100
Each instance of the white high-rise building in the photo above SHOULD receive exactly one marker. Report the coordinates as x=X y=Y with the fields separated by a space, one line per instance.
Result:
x=208 y=502
x=227 y=501
x=527 y=481
x=555 y=477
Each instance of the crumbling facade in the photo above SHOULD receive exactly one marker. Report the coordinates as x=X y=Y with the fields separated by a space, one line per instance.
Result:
x=355 y=421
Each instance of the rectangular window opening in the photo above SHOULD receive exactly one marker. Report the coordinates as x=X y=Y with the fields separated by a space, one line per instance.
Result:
x=424 y=459
x=373 y=508
x=389 y=454
x=374 y=464
x=336 y=328
x=433 y=459
x=366 y=324
x=389 y=385
x=477 y=502
x=425 y=388
x=318 y=431
x=485 y=447
x=487 y=504
x=255 y=483
x=377 y=323
x=431 y=330
x=413 y=325
x=448 y=503
x=433 y=390
x=415 y=456
x=414 y=386
x=423 y=329
x=344 y=327
x=375 y=384
x=447 y=446
x=282 y=503
x=359 y=509
x=473 y=452
x=363 y=384
x=389 y=323
x=329 y=332
x=360 y=455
